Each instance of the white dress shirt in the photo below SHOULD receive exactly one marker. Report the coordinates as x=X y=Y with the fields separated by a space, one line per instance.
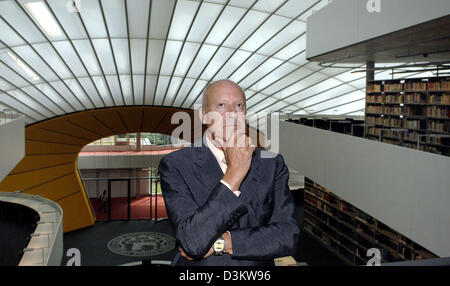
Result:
x=220 y=157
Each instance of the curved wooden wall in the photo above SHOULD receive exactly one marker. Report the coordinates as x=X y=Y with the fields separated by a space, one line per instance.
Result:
x=49 y=168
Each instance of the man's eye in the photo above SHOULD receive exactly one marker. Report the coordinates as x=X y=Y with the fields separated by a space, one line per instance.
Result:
x=221 y=105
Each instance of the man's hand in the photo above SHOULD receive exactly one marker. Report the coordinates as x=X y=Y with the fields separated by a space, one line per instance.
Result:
x=210 y=252
x=238 y=152
x=228 y=249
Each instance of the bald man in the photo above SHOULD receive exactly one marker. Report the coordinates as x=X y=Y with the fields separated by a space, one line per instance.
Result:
x=229 y=206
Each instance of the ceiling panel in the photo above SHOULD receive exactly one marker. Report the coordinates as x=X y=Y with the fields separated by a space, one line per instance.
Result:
x=186 y=58
x=68 y=54
x=206 y=16
x=17 y=105
x=35 y=62
x=247 y=67
x=183 y=91
x=100 y=83
x=92 y=93
x=138 y=48
x=164 y=52
x=91 y=15
x=160 y=19
x=43 y=99
x=49 y=54
x=116 y=92
x=184 y=14
x=271 y=27
x=225 y=25
x=78 y=90
x=70 y=22
x=245 y=28
x=293 y=8
x=268 y=73
x=87 y=55
x=127 y=90
x=65 y=92
x=16 y=15
x=138 y=13
x=31 y=102
x=105 y=55
x=55 y=97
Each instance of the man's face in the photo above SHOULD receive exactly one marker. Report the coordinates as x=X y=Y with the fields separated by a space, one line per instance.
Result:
x=225 y=107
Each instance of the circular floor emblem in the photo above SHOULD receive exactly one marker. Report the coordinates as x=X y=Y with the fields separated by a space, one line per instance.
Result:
x=142 y=244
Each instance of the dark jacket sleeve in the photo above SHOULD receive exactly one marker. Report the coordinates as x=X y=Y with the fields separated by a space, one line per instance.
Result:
x=279 y=237
x=197 y=227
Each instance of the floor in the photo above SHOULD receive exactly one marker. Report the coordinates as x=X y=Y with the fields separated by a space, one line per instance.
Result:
x=140 y=208
x=92 y=242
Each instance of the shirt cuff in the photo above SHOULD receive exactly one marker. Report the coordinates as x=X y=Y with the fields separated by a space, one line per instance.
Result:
x=237 y=193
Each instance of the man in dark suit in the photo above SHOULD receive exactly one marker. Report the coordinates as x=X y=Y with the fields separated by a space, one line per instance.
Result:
x=227 y=203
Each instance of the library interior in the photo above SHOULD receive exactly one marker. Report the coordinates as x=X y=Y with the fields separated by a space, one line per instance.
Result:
x=354 y=98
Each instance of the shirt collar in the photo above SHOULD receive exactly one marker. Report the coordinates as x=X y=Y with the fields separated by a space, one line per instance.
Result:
x=220 y=156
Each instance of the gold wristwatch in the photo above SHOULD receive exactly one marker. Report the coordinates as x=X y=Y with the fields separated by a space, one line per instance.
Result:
x=219 y=246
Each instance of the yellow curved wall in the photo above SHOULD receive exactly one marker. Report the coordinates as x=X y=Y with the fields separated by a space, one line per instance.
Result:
x=49 y=168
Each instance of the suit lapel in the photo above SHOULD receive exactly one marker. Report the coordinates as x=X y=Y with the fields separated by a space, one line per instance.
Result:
x=206 y=167
x=249 y=185
x=208 y=172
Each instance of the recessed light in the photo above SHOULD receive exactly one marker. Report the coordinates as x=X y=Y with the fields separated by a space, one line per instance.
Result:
x=43 y=16
x=26 y=69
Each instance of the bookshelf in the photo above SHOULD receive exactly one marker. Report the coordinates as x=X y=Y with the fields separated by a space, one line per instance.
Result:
x=413 y=113
x=349 y=232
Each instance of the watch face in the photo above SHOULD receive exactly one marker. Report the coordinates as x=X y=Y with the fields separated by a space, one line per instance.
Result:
x=219 y=245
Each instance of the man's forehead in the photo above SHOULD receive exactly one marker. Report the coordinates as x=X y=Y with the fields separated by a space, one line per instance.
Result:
x=220 y=89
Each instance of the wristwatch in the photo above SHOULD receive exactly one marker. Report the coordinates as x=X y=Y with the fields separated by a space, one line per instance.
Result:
x=219 y=246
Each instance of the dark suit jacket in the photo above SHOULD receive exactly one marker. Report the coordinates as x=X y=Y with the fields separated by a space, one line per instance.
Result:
x=261 y=221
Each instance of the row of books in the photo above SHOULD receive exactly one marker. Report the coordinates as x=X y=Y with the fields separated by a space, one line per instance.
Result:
x=394 y=98
x=396 y=110
x=374 y=131
x=374 y=109
x=416 y=85
x=412 y=124
x=412 y=136
x=393 y=122
x=415 y=98
x=439 y=85
x=374 y=87
x=439 y=126
x=414 y=146
x=374 y=120
x=438 y=111
x=393 y=133
x=374 y=99
x=439 y=99
x=393 y=87
x=389 y=141
x=438 y=140
x=408 y=85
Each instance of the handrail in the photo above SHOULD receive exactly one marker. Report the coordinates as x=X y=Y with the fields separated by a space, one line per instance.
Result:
x=40 y=252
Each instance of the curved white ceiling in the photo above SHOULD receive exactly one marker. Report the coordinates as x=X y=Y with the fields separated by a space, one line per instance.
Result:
x=164 y=52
